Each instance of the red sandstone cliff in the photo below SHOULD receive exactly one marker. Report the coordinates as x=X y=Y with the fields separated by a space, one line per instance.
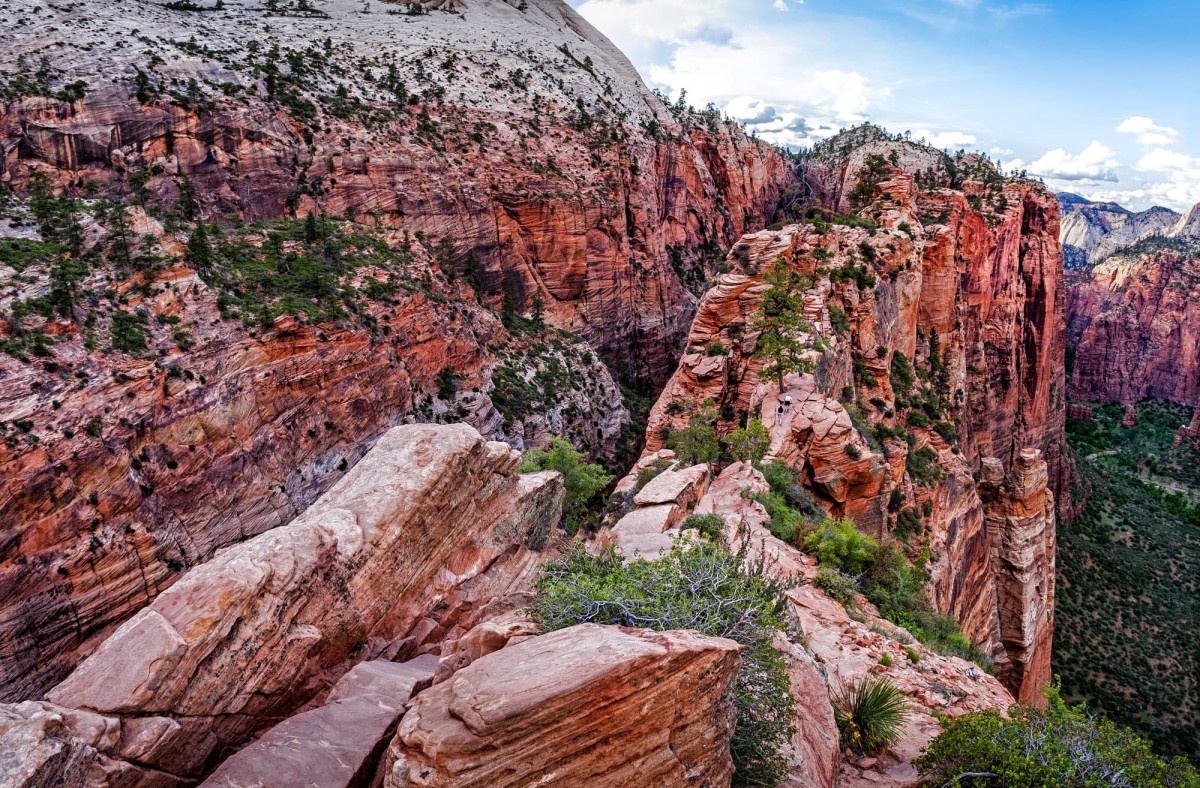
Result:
x=487 y=160
x=956 y=250
x=1134 y=323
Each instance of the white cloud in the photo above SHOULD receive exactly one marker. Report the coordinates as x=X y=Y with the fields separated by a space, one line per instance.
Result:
x=1095 y=162
x=1148 y=132
x=1162 y=160
x=782 y=6
x=945 y=139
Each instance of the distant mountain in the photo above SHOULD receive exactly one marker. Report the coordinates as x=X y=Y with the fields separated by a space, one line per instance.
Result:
x=1094 y=231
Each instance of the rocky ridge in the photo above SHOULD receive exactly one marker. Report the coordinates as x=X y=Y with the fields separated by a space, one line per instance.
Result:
x=970 y=256
x=1092 y=232
x=475 y=171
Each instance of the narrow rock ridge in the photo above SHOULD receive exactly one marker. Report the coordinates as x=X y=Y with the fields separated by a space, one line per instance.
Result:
x=979 y=265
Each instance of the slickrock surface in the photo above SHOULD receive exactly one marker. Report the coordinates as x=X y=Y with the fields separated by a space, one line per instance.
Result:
x=1134 y=321
x=978 y=264
x=588 y=705
x=511 y=134
x=338 y=744
x=250 y=636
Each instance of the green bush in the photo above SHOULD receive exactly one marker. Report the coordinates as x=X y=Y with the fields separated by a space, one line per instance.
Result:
x=839 y=586
x=697 y=442
x=710 y=526
x=750 y=443
x=1062 y=746
x=582 y=480
x=838 y=320
x=870 y=715
x=838 y=544
x=706 y=588
x=922 y=466
x=783 y=482
x=650 y=472
x=717 y=349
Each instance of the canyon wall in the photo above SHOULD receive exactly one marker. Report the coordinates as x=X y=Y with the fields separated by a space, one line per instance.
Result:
x=908 y=249
x=1133 y=322
x=501 y=205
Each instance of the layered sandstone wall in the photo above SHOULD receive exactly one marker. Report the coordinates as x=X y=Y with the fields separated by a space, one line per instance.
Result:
x=509 y=148
x=1134 y=325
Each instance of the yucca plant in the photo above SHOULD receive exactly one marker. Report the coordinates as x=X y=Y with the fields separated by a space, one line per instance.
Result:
x=870 y=714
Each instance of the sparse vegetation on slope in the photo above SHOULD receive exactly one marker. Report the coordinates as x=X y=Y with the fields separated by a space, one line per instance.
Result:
x=1127 y=622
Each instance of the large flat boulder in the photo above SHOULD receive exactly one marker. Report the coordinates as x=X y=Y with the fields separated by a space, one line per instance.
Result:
x=679 y=487
x=337 y=745
x=605 y=707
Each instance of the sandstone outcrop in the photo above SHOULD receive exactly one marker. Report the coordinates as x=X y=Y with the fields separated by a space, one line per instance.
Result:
x=588 y=705
x=249 y=637
x=337 y=745
x=1020 y=528
x=936 y=333
x=510 y=146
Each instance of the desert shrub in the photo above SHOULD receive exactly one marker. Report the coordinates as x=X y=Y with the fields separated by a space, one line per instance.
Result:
x=717 y=349
x=750 y=443
x=650 y=472
x=838 y=544
x=852 y=451
x=838 y=320
x=697 y=442
x=1061 y=746
x=785 y=521
x=783 y=482
x=839 y=586
x=583 y=480
x=922 y=466
x=706 y=588
x=870 y=714
x=710 y=526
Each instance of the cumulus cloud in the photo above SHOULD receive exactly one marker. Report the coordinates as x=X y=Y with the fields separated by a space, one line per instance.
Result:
x=1095 y=162
x=1148 y=132
x=945 y=139
x=782 y=6
x=748 y=109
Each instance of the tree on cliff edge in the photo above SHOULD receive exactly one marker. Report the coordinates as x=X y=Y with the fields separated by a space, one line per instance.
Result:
x=780 y=318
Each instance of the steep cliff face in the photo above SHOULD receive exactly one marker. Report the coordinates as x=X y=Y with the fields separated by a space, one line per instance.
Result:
x=1134 y=324
x=934 y=306
x=498 y=204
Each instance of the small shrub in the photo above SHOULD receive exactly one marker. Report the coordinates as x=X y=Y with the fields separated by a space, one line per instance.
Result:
x=838 y=320
x=750 y=443
x=837 y=585
x=697 y=442
x=707 y=588
x=838 y=544
x=922 y=466
x=914 y=656
x=710 y=526
x=717 y=349
x=885 y=660
x=853 y=452
x=870 y=715
x=648 y=474
x=582 y=480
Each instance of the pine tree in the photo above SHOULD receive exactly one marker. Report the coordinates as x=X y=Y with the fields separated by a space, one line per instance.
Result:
x=199 y=250
x=781 y=317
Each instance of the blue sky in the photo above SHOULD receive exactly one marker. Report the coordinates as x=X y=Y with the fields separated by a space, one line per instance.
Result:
x=1096 y=96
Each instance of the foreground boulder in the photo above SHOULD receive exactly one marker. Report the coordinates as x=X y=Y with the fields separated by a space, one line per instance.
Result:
x=244 y=640
x=588 y=705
